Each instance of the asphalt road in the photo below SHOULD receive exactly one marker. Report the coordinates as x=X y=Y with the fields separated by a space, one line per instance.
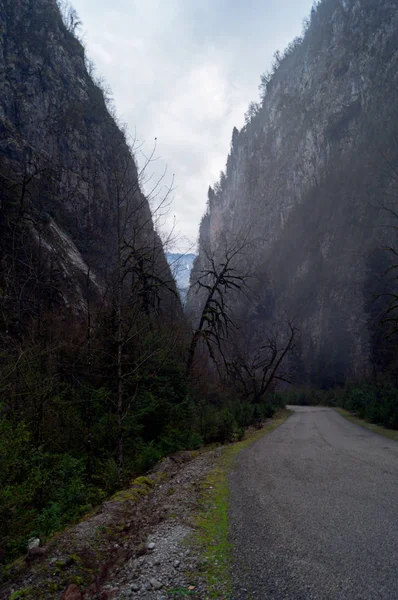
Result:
x=314 y=512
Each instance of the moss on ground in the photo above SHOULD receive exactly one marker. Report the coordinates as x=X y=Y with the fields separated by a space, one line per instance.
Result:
x=140 y=488
x=143 y=481
x=389 y=433
x=36 y=592
x=24 y=593
x=212 y=532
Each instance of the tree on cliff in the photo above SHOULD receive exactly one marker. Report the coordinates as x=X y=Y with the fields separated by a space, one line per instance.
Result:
x=252 y=112
x=69 y=16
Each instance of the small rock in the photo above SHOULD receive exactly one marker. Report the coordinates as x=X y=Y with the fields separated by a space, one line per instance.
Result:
x=72 y=593
x=177 y=563
x=135 y=587
x=142 y=550
x=157 y=561
x=156 y=584
x=33 y=543
x=151 y=546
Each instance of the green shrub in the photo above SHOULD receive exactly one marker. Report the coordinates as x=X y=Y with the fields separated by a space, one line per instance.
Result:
x=39 y=492
x=147 y=458
x=376 y=402
x=178 y=439
x=227 y=426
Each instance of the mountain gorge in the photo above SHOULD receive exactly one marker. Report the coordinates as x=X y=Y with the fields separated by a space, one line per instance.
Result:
x=119 y=361
x=311 y=180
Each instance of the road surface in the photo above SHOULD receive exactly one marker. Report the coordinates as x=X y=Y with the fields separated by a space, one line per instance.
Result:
x=314 y=512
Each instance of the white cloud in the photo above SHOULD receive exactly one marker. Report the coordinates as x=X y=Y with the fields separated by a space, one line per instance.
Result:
x=184 y=71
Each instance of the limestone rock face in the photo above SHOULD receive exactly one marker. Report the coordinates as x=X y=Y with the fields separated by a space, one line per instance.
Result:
x=305 y=178
x=63 y=158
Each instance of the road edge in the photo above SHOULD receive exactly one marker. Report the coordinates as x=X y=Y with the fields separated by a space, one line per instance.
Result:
x=211 y=535
x=391 y=434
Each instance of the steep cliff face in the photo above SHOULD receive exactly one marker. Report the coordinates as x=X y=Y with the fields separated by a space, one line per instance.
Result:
x=306 y=176
x=66 y=169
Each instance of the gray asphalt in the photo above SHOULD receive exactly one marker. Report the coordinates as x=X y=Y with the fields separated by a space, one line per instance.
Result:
x=314 y=512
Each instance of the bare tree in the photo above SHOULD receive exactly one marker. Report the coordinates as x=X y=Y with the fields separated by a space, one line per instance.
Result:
x=219 y=282
x=139 y=279
x=254 y=373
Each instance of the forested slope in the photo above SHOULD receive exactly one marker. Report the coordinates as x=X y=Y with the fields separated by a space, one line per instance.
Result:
x=89 y=374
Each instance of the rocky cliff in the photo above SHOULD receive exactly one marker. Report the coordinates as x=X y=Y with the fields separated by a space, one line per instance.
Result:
x=67 y=172
x=306 y=178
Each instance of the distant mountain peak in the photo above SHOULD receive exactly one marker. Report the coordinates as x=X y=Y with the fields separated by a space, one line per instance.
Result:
x=181 y=267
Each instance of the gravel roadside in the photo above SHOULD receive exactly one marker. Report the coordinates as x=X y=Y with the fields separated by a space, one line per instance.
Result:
x=134 y=546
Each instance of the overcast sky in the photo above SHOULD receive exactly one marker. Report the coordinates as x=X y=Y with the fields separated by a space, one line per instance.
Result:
x=184 y=71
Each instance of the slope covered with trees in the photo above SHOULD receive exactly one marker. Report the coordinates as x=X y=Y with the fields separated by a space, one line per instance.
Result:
x=87 y=300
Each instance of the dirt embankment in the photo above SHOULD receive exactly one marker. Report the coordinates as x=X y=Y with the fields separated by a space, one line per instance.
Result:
x=163 y=538
x=134 y=546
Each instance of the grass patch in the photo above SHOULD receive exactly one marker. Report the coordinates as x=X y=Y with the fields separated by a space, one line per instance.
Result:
x=389 y=433
x=212 y=532
x=180 y=593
